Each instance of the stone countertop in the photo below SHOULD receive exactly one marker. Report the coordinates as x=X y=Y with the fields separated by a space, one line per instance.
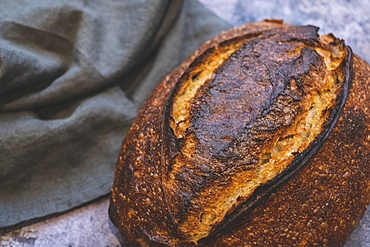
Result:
x=89 y=225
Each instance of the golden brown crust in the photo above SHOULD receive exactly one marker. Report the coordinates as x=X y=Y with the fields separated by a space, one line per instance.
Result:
x=315 y=205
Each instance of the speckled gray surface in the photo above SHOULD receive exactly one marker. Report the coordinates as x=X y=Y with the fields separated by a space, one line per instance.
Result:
x=89 y=225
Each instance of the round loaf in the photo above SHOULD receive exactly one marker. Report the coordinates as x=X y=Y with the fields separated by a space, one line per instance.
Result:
x=261 y=137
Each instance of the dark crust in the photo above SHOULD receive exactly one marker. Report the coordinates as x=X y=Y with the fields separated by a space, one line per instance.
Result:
x=173 y=143
x=275 y=214
x=263 y=191
x=214 y=163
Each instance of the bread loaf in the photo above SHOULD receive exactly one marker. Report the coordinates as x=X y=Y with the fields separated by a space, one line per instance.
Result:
x=259 y=138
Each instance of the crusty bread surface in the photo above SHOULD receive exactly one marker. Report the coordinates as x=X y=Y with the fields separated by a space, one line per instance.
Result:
x=261 y=137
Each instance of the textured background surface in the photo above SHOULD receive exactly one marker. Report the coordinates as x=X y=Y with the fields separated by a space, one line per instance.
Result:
x=89 y=225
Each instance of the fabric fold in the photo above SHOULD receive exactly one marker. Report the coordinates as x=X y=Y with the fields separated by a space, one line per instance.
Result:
x=72 y=77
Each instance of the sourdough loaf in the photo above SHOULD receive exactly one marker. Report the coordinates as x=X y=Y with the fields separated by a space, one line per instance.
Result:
x=260 y=137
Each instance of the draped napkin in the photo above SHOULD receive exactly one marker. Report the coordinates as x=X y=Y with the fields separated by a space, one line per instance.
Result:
x=72 y=76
